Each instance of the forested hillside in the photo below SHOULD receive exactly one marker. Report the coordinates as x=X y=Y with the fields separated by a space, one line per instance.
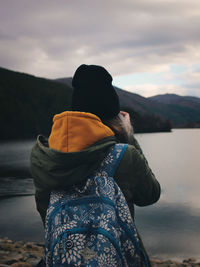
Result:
x=28 y=104
x=184 y=111
x=142 y=114
x=181 y=111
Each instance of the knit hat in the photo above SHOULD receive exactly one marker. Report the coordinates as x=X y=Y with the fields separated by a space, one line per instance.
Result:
x=93 y=92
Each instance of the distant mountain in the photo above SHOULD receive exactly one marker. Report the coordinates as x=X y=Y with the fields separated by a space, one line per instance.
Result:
x=180 y=111
x=140 y=109
x=67 y=81
x=28 y=104
x=184 y=111
x=175 y=99
x=127 y=99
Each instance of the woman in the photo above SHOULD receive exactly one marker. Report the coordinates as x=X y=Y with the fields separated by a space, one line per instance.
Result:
x=80 y=139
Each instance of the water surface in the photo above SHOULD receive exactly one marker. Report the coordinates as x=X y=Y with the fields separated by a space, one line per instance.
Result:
x=169 y=228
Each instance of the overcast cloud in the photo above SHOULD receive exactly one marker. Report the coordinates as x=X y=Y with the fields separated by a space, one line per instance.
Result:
x=51 y=38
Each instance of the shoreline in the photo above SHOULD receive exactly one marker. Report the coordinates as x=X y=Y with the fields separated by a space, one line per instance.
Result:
x=28 y=254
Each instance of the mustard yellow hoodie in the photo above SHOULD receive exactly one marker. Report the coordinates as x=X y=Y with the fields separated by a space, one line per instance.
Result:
x=75 y=131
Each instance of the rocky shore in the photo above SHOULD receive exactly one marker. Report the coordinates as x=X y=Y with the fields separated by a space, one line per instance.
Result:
x=28 y=254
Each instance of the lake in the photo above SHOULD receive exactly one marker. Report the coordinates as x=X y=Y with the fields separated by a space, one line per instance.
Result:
x=169 y=229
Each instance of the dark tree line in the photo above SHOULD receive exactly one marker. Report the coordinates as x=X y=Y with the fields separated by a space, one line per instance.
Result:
x=28 y=104
x=146 y=123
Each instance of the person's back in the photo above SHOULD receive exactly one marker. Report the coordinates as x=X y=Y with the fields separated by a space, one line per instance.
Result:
x=81 y=139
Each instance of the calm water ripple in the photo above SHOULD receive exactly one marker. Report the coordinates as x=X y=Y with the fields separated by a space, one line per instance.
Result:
x=169 y=228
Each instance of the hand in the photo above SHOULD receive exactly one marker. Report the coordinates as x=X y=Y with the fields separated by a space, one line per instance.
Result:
x=125 y=118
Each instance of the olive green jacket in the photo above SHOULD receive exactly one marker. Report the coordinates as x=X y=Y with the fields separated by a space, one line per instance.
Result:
x=55 y=170
x=75 y=149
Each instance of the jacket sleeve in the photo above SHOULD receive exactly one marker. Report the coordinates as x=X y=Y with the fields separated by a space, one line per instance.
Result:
x=135 y=177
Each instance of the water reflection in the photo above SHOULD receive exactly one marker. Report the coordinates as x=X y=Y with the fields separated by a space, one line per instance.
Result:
x=14 y=158
x=20 y=220
x=10 y=186
x=174 y=158
x=170 y=228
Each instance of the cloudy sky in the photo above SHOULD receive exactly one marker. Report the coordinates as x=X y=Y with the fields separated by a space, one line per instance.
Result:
x=149 y=46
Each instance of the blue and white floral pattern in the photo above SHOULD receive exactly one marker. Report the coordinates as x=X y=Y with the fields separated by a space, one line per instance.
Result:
x=92 y=225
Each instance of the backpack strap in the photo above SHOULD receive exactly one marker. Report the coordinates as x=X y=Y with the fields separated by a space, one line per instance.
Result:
x=112 y=160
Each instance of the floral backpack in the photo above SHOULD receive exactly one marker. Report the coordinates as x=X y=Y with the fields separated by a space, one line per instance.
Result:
x=91 y=225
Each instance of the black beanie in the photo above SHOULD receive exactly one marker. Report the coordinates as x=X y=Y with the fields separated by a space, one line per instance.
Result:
x=93 y=92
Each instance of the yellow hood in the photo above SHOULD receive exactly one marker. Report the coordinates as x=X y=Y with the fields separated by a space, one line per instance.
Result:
x=74 y=131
